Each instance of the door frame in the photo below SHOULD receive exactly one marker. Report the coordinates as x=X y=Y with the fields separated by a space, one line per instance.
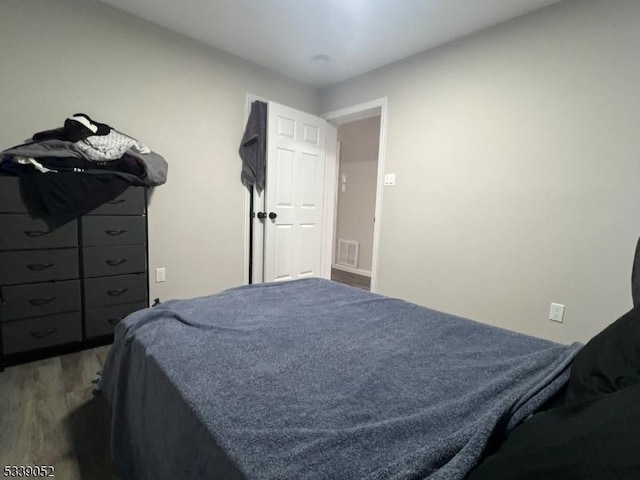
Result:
x=359 y=112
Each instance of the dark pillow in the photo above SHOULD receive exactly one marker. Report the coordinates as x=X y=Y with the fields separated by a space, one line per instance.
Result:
x=596 y=440
x=609 y=362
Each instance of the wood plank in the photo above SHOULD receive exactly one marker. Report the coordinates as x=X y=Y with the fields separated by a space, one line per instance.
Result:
x=9 y=411
x=101 y=353
x=80 y=369
x=49 y=416
x=89 y=425
x=352 y=279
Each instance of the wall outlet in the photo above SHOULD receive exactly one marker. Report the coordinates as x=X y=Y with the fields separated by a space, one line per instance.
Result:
x=389 y=179
x=556 y=312
x=161 y=275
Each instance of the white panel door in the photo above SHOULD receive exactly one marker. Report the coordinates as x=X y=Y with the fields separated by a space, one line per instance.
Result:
x=294 y=195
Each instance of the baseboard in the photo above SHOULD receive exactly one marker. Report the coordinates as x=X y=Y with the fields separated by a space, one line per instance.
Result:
x=357 y=271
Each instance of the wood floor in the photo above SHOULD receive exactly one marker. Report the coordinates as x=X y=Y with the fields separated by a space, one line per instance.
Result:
x=353 y=279
x=49 y=416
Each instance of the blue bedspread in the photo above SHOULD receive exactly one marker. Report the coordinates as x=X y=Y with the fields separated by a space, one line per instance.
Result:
x=314 y=380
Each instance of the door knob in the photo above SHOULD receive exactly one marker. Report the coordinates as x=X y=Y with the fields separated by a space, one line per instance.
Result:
x=262 y=215
x=273 y=215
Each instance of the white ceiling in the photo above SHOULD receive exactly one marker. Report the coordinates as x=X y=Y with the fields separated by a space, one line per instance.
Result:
x=356 y=35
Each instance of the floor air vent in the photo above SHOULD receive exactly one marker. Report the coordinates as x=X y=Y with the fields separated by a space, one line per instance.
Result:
x=348 y=253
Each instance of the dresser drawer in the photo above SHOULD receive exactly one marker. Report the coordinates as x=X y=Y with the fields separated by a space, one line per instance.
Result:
x=10 y=198
x=23 y=232
x=39 y=299
x=103 y=261
x=102 y=321
x=131 y=202
x=99 y=292
x=38 y=266
x=34 y=333
x=113 y=230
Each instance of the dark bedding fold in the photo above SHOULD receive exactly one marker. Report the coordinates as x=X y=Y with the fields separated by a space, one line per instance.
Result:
x=314 y=380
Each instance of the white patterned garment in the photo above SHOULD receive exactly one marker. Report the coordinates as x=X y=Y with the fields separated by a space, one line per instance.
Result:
x=112 y=146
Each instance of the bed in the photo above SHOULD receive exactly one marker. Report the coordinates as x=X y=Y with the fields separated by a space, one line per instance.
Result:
x=311 y=379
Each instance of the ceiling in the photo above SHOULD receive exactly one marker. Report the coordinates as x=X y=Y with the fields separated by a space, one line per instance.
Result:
x=322 y=42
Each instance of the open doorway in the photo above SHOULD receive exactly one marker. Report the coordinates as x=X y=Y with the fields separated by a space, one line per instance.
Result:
x=358 y=192
x=358 y=150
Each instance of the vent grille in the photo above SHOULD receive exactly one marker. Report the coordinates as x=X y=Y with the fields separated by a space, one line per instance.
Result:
x=348 y=253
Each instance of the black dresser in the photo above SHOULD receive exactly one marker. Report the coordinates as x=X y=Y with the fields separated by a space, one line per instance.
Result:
x=66 y=289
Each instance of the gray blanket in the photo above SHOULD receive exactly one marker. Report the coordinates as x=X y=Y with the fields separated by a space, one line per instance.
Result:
x=314 y=380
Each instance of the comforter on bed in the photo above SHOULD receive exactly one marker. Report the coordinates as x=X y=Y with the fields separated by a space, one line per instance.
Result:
x=315 y=380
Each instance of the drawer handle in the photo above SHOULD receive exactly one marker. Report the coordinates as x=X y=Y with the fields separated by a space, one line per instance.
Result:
x=114 y=321
x=116 y=202
x=35 y=233
x=39 y=266
x=116 y=293
x=115 y=263
x=38 y=302
x=115 y=233
x=43 y=333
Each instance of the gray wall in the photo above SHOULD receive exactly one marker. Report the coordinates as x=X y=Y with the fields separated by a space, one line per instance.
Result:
x=184 y=100
x=356 y=207
x=517 y=157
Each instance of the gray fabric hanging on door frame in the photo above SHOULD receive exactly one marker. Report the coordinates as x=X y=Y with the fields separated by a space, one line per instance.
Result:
x=253 y=148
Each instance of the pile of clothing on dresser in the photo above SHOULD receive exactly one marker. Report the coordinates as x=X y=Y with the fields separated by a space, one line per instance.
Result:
x=69 y=171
